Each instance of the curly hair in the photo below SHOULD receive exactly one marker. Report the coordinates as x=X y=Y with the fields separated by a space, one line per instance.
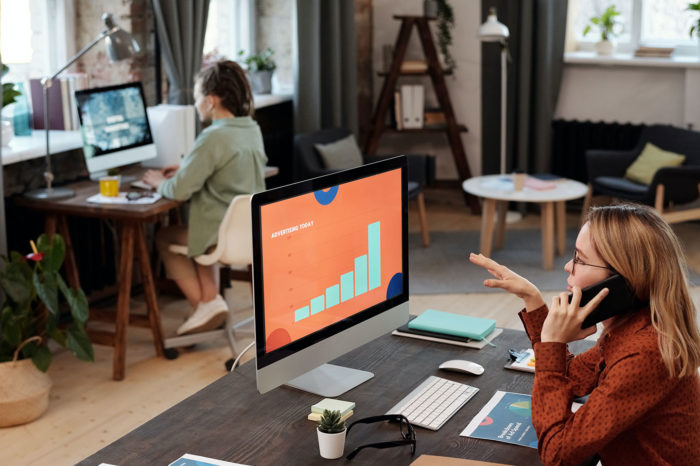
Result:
x=227 y=80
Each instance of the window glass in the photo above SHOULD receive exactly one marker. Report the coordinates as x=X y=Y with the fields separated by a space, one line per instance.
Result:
x=587 y=9
x=16 y=30
x=666 y=22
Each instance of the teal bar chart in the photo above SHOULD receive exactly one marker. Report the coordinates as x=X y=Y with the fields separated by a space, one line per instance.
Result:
x=366 y=276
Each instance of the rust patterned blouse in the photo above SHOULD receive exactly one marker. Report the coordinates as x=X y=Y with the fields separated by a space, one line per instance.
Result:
x=635 y=415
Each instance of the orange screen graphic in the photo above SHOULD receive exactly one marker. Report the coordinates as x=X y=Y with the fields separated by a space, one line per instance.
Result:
x=314 y=244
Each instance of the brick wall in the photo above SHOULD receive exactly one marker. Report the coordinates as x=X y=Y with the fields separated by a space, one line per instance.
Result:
x=134 y=16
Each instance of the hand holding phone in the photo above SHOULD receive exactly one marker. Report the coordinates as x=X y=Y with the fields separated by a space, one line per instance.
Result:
x=620 y=300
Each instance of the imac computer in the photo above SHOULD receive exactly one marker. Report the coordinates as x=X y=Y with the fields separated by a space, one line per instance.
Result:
x=330 y=273
x=114 y=126
x=173 y=128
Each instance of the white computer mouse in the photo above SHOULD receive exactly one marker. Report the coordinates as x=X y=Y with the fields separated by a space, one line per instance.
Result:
x=460 y=365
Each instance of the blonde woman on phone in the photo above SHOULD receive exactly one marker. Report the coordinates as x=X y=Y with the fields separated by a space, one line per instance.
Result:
x=642 y=375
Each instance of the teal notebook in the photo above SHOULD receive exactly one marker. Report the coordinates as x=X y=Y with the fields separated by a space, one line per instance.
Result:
x=431 y=320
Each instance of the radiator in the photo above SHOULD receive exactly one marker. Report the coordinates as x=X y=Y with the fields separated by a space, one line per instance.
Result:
x=571 y=139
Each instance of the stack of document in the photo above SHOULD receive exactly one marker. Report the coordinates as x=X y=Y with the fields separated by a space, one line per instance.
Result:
x=345 y=408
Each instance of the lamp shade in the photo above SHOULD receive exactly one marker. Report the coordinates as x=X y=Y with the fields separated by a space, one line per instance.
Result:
x=120 y=44
x=492 y=30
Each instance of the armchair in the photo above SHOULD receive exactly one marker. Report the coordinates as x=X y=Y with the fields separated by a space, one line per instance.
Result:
x=669 y=186
x=309 y=164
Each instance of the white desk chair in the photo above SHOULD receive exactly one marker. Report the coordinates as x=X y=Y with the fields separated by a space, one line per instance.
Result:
x=234 y=248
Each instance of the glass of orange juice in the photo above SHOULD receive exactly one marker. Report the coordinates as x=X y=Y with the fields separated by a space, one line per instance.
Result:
x=109 y=186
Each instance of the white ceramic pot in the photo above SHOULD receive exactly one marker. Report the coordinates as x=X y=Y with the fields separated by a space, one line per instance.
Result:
x=604 y=47
x=8 y=132
x=24 y=392
x=331 y=446
x=260 y=82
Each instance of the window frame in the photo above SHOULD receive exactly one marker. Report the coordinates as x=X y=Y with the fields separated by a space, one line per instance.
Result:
x=688 y=48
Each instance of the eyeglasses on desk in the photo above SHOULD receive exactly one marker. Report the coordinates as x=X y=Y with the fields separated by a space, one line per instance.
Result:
x=408 y=435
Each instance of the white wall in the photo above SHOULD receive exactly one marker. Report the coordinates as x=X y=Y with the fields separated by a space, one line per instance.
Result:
x=464 y=85
x=634 y=94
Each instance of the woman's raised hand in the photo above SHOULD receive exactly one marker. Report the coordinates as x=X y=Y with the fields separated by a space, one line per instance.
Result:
x=509 y=281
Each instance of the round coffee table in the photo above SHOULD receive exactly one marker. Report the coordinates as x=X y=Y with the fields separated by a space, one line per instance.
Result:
x=497 y=191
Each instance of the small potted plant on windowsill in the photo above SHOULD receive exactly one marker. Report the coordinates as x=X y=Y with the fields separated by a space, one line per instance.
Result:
x=30 y=315
x=607 y=25
x=331 y=435
x=260 y=67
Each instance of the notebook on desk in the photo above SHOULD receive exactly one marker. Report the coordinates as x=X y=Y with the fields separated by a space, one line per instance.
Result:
x=447 y=323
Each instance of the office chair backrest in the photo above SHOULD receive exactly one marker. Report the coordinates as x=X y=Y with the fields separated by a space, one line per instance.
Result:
x=235 y=242
x=235 y=233
x=678 y=140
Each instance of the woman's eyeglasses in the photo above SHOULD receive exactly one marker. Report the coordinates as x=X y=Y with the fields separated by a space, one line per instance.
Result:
x=580 y=262
x=408 y=435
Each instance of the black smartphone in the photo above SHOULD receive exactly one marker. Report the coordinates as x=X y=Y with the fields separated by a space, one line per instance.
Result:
x=620 y=300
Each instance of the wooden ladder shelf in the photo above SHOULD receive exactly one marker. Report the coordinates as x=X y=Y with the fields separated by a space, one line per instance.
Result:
x=437 y=76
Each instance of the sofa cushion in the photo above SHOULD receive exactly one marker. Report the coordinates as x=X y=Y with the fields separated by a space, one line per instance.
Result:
x=649 y=161
x=341 y=154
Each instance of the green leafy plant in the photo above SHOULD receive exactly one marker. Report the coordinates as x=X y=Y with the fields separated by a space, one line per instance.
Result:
x=330 y=422
x=33 y=292
x=446 y=22
x=605 y=23
x=695 y=28
x=9 y=93
x=260 y=61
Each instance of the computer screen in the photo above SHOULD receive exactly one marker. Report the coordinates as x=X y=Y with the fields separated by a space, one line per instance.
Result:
x=114 y=126
x=330 y=271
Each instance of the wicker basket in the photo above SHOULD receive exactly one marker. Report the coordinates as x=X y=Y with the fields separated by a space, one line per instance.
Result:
x=24 y=392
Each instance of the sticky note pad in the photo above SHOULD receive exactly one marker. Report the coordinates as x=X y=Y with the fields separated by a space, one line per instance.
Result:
x=431 y=320
x=332 y=405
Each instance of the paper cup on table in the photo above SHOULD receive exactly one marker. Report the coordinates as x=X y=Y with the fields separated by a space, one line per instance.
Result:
x=109 y=186
x=518 y=181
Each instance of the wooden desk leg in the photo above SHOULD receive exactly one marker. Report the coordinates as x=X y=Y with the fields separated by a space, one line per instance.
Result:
x=122 y=319
x=70 y=265
x=547 y=235
x=502 y=209
x=487 y=226
x=560 y=222
x=149 y=288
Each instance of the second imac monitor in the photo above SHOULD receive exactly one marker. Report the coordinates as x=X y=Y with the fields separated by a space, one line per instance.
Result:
x=330 y=273
x=114 y=126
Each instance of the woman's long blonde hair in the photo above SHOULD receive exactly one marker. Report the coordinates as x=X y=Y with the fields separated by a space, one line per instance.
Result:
x=642 y=247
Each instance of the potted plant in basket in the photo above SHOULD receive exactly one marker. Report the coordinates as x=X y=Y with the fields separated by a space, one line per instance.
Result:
x=260 y=67
x=30 y=316
x=607 y=25
x=331 y=435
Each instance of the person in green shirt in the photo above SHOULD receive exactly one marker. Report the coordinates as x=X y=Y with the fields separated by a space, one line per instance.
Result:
x=227 y=159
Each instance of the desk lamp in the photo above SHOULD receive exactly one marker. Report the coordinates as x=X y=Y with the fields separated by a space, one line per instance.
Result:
x=120 y=45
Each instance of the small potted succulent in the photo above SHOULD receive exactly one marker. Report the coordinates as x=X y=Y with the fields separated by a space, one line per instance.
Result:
x=30 y=316
x=260 y=67
x=331 y=435
x=607 y=24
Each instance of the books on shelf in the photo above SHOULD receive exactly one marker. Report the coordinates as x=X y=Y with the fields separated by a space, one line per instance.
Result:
x=410 y=109
x=63 y=110
x=416 y=66
x=434 y=118
x=653 y=52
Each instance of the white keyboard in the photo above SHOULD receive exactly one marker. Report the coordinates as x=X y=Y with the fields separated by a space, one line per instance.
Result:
x=434 y=402
x=142 y=185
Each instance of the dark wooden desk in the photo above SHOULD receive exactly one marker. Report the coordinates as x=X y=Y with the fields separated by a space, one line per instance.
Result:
x=230 y=420
x=131 y=219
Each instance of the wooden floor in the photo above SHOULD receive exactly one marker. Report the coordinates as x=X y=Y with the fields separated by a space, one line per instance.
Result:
x=88 y=409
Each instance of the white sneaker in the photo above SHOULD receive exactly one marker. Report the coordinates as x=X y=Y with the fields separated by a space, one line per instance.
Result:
x=207 y=316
